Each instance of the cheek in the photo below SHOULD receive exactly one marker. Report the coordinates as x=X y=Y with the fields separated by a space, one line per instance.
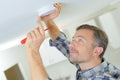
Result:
x=84 y=51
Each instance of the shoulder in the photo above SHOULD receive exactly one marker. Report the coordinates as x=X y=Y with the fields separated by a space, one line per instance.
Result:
x=111 y=72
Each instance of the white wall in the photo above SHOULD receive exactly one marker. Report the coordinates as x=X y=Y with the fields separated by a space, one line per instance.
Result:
x=11 y=57
x=110 y=22
x=113 y=56
x=111 y=27
x=62 y=69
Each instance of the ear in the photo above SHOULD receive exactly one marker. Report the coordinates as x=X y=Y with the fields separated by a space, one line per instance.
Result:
x=98 y=50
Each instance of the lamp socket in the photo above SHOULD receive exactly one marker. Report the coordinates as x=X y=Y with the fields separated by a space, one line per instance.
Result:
x=46 y=10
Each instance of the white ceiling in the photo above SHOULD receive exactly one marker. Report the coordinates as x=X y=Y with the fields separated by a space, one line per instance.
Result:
x=18 y=17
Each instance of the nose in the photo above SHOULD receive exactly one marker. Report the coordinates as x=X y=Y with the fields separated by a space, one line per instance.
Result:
x=71 y=45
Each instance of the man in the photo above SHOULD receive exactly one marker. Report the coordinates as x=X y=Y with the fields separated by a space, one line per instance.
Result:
x=85 y=51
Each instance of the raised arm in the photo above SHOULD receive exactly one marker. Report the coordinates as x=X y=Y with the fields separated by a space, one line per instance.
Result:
x=58 y=39
x=33 y=43
x=54 y=30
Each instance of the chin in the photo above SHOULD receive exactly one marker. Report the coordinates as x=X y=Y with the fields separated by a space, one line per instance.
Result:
x=73 y=60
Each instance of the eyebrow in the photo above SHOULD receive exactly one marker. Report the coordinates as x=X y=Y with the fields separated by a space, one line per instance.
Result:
x=79 y=37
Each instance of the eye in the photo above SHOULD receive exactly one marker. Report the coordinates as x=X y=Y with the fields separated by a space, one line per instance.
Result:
x=79 y=39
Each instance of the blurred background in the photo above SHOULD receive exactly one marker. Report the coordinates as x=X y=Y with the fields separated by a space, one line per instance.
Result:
x=18 y=17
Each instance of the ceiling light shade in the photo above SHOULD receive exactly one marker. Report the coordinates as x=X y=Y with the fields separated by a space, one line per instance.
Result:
x=43 y=11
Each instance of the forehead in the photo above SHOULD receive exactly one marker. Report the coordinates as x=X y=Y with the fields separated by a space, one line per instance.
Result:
x=86 y=33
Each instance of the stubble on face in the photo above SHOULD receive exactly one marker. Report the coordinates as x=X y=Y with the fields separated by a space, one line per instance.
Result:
x=80 y=54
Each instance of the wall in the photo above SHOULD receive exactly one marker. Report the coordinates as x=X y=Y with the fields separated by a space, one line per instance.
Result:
x=12 y=56
x=110 y=22
x=17 y=54
x=61 y=70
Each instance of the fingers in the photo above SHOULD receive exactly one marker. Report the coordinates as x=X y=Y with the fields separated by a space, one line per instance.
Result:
x=58 y=7
x=29 y=36
x=53 y=15
x=37 y=33
x=32 y=35
x=41 y=30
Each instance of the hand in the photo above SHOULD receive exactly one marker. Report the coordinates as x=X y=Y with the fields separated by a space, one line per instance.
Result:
x=52 y=15
x=35 y=38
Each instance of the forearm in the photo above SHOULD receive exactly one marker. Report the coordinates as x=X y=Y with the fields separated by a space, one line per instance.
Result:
x=54 y=30
x=37 y=69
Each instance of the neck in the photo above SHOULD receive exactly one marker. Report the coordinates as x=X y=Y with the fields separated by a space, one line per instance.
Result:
x=91 y=64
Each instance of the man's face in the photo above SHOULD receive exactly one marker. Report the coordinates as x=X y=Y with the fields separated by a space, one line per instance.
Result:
x=81 y=47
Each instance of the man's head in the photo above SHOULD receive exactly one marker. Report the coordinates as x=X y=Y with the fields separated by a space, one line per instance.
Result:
x=88 y=42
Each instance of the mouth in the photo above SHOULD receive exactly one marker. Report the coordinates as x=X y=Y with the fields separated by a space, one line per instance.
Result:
x=72 y=51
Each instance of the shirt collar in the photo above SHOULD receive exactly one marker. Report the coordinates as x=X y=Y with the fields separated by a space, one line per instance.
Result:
x=93 y=71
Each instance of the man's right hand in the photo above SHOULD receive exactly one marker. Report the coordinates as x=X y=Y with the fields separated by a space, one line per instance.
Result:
x=52 y=15
x=48 y=20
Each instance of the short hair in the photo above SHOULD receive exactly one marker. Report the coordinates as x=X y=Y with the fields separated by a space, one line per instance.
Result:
x=99 y=36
